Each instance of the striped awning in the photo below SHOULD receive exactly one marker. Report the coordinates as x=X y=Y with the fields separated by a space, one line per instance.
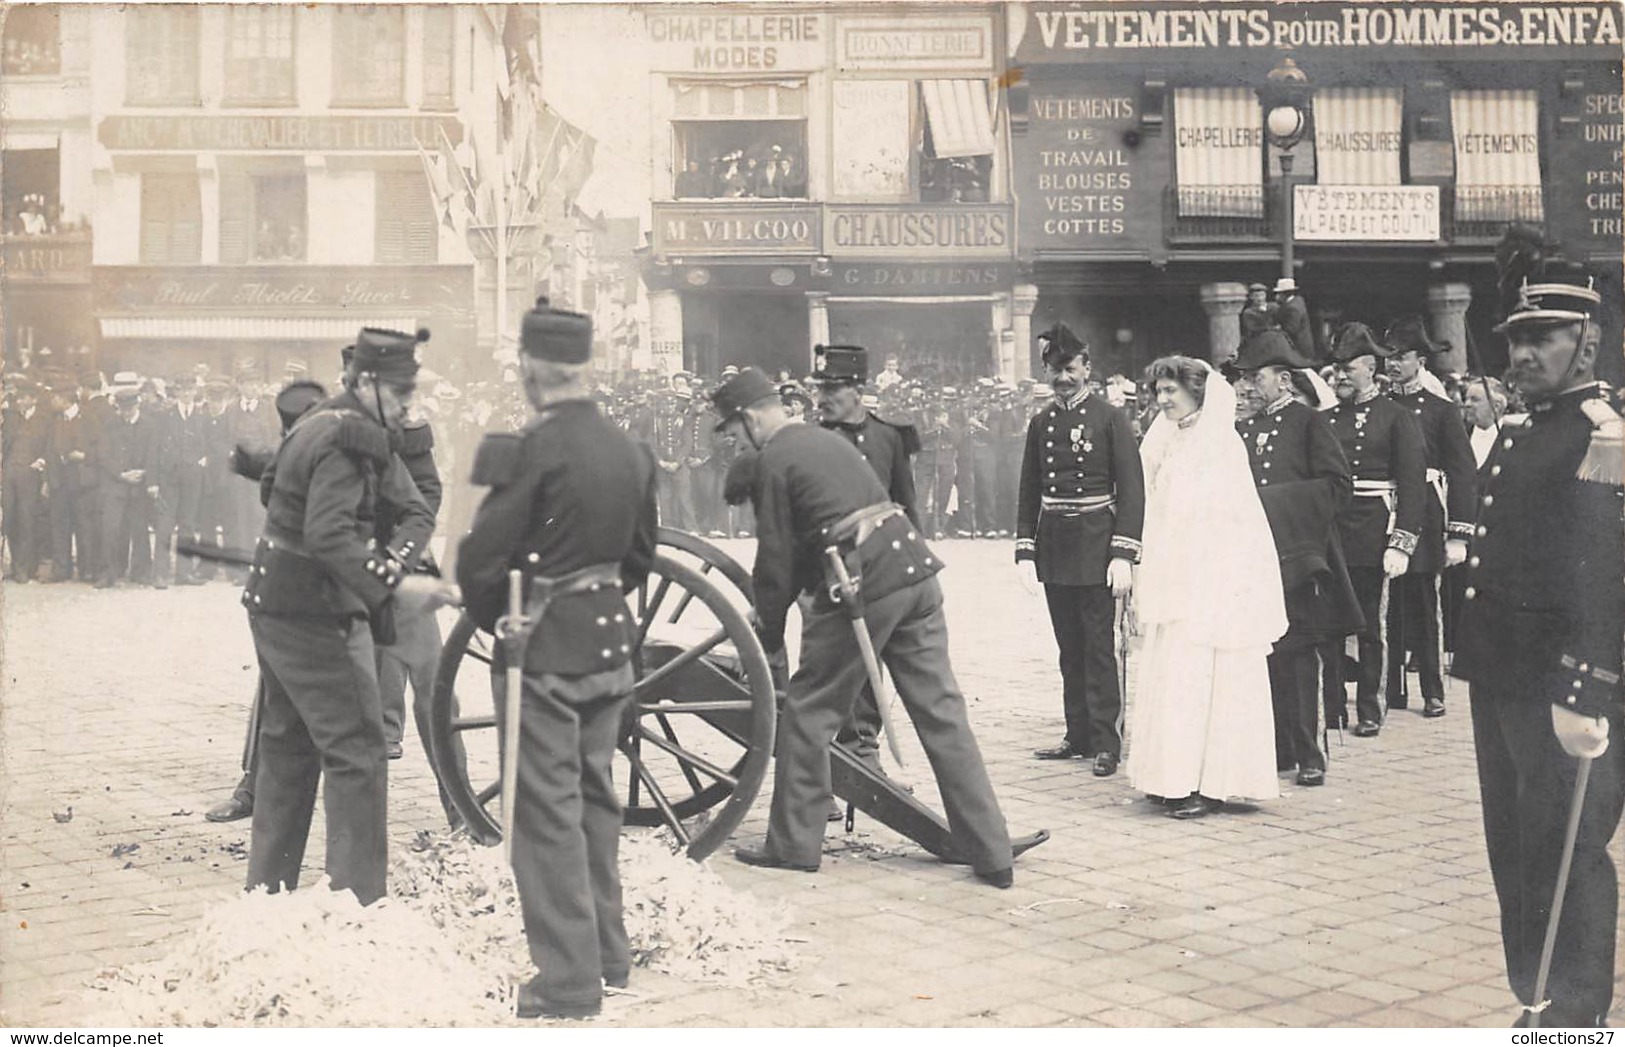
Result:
x=957 y=112
x=1357 y=135
x=1219 y=152
x=248 y=328
x=1497 y=139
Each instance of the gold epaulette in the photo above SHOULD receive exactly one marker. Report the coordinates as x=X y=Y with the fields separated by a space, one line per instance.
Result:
x=1604 y=462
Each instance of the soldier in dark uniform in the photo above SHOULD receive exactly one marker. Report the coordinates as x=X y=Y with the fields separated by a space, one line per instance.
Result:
x=1414 y=609
x=573 y=503
x=215 y=501
x=67 y=474
x=1009 y=435
x=1539 y=644
x=705 y=473
x=1303 y=480
x=840 y=371
x=1082 y=507
x=315 y=582
x=1378 y=526
x=22 y=479
x=127 y=456
x=190 y=450
x=253 y=423
x=980 y=462
x=814 y=492
x=672 y=451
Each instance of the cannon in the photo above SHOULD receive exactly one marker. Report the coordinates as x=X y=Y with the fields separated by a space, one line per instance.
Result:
x=698 y=734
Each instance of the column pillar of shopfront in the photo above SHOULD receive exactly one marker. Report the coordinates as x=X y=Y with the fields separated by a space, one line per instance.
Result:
x=1447 y=321
x=1023 y=299
x=1003 y=339
x=817 y=320
x=666 y=331
x=1222 y=302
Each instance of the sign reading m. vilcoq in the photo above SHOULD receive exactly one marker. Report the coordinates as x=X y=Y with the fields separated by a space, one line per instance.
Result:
x=260 y=132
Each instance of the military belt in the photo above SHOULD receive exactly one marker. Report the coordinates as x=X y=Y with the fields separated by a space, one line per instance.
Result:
x=1088 y=504
x=855 y=527
x=1374 y=488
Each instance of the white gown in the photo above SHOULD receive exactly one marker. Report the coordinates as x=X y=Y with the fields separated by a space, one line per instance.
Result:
x=1208 y=600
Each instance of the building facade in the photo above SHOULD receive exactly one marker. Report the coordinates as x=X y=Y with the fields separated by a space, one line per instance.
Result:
x=46 y=196
x=826 y=174
x=258 y=187
x=1149 y=194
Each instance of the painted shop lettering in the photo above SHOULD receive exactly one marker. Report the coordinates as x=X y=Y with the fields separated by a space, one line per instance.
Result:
x=1362 y=25
x=916 y=229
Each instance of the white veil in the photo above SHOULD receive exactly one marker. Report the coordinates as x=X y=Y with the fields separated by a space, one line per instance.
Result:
x=1209 y=558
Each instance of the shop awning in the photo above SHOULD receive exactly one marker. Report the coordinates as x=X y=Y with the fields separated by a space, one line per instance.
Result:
x=1497 y=139
x=1219 y=152
x=957 y=112
x=248 y=328
x=1357 y=135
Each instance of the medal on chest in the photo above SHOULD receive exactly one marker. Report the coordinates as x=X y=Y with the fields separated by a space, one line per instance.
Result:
x=1080 y=439
x=1359 y=421
x=1263 y=438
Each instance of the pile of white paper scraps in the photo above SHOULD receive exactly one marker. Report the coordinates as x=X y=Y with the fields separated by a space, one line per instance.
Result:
x=447 y=947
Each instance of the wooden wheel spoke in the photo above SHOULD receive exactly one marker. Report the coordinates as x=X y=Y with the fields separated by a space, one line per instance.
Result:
x=658 y=795
x=698 y=651
x=646 y=615
x=723 y=705
x=688 y=597
x=480 y=656
x=671 y=736
x=489 y=793
x=690 y=761
x=474 y=723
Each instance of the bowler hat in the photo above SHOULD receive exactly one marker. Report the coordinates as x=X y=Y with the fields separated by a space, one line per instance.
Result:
x=558 y=335
x=840 y=364
x=745 y=389
x=1354 y=340
x=1271 y=348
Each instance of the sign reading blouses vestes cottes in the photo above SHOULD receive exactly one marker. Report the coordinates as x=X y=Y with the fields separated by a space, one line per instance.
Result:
x=265 y=131
x=1083 y=187
x=1122 y=32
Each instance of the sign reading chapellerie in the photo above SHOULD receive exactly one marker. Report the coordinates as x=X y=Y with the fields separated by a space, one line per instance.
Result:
x=732 y=41
x=1367 y=213
x=1082 y=187
x=292 y=289
x=735 y=229
x=1110 y=32
x=261 y=132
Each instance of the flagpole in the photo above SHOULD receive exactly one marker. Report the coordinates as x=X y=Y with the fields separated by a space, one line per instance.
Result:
x=501 y=193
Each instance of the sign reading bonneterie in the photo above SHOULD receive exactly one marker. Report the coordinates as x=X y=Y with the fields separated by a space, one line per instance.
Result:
x=1108 y=32
x=1366 y=213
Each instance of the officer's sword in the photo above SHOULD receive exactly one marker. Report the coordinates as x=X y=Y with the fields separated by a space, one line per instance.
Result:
x=866 y=648
x=1549 y=946
x=510 y=629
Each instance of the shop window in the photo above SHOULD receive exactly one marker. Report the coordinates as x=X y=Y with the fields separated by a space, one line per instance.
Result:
x=740 y=140
x=1358 y=134
x=956 y=156
x=161 y=55
x=1497 y=142
x=33 y=41
x=259 y=55
x=369 y=56
x=262 y=216
x=1218 y=152
x=405 y=231
x=171 y=219
x=439 y=72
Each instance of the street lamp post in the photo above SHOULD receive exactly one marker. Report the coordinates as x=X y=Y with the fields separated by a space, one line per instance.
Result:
x=1287 y=102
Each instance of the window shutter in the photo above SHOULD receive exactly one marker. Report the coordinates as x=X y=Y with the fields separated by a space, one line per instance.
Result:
x=186 y=221
x=236 y=217
x=390 y=239
x=407 y=232
x=154 y=220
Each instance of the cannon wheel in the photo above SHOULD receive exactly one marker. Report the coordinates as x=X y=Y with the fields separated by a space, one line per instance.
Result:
x=698 y=734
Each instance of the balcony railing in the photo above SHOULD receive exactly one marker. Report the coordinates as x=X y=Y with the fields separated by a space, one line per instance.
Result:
x=1471 y=215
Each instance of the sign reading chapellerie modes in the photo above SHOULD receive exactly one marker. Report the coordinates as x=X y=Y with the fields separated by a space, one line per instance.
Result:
x=283 y=290
x=718 y=40
x=1083 y=189
x=266 y=131
x=1587 y=202
x=1117 y=32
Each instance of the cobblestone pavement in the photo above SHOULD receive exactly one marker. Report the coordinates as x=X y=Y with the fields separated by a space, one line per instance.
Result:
x=1366 y=903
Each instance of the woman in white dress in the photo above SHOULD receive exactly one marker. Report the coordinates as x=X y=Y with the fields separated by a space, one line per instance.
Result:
x=1208 y=602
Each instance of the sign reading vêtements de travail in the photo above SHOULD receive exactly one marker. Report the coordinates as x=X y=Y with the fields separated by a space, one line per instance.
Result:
x=1371 y=213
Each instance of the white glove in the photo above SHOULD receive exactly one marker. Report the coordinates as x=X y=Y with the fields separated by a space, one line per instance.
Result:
x=1455 y=552
x=1120 y=576
x=1395 y=562
x=422 y=592
x=1027 y=571
x=1580 y=735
